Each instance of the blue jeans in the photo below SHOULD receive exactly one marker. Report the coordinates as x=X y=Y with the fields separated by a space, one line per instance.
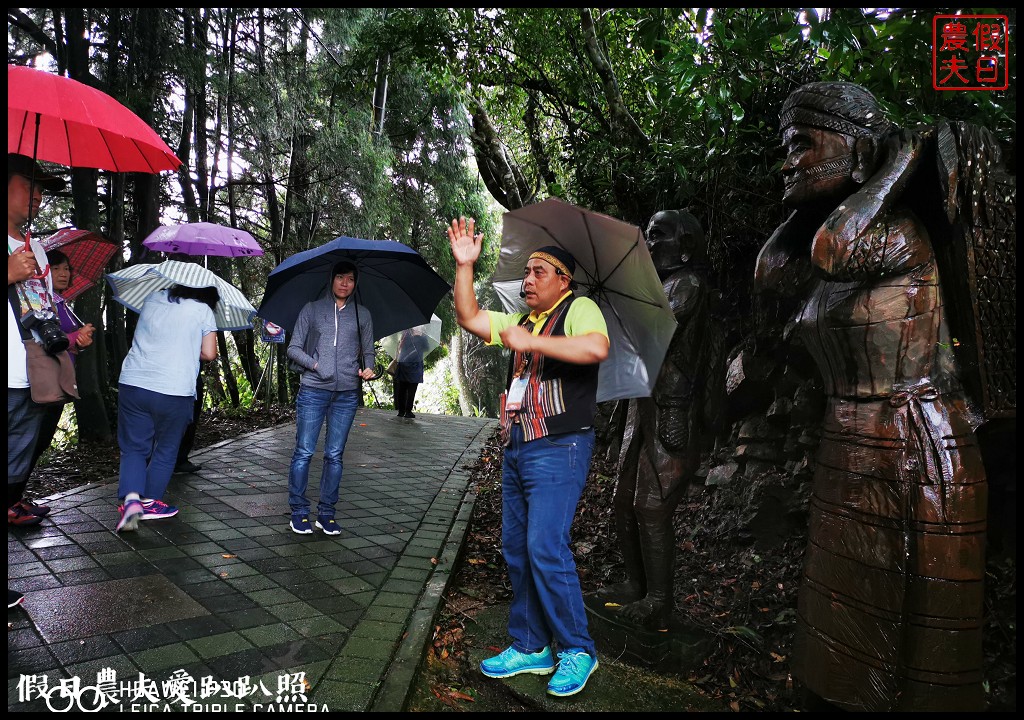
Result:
x=149 y=430
x=541 y=484
x=312 y=406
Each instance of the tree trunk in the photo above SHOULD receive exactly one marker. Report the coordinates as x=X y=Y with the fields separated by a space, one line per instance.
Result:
x=380 y=95
x=116 y=332
x=244 y=341
x=188 y=190
x=500 y=174
x=91 y=410
x=229 y=375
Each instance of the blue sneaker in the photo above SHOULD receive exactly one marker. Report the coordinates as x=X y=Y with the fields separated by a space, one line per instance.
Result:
x=574 y=669
x=512 y=662
x=328 y=525
x=300 y=524
x=157 y=510
x=154 y=510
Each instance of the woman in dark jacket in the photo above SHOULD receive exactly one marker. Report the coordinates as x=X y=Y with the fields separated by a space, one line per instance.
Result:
x=409 y=373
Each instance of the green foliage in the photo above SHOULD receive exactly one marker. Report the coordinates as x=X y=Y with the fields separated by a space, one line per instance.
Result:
x=683 y=114
x=450 y=395
x=704 y=87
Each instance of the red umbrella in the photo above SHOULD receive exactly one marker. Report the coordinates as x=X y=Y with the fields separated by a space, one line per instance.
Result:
x=88 y=253
x=60 y=120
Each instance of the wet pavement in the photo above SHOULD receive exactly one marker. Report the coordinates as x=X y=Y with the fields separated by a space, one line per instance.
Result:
x=223 y=608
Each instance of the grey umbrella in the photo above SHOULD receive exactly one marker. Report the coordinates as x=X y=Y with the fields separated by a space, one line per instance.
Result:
x=614 y=268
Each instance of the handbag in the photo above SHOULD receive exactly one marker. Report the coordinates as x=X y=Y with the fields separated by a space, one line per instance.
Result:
x=51 y=378
x=393 y=368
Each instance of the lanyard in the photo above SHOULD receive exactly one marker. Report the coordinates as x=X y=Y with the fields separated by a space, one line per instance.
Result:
x=525 y=358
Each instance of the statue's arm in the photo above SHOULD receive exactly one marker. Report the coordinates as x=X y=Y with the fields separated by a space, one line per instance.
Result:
x=865 y=236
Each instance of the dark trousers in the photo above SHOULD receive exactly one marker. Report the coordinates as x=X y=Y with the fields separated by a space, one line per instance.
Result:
x=48 y=428
x=23 y=419
x=189 y=438
x=149 y=430
x=405 y=394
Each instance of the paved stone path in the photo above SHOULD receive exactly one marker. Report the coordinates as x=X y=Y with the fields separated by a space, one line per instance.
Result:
x=223 y=605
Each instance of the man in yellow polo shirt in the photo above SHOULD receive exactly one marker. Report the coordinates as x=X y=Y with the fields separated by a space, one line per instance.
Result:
x=547 y=418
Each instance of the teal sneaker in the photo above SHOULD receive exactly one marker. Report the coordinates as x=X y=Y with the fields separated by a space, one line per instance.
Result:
x=512 y=662
x=574 y=669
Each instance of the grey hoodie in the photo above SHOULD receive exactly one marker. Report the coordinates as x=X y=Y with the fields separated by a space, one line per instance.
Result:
x=335 y=356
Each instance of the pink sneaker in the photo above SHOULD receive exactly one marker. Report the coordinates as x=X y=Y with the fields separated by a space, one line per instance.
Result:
x=131 y=512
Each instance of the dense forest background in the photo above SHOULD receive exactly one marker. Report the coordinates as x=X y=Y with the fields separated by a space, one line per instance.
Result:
x=302 y=124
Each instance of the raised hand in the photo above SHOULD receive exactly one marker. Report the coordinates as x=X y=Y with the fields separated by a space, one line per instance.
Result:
x=465 y=245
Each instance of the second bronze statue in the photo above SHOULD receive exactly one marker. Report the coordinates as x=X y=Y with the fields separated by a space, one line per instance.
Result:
x=665 y=433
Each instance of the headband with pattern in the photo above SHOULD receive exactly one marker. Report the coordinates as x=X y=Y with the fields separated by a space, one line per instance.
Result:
x=547 y=257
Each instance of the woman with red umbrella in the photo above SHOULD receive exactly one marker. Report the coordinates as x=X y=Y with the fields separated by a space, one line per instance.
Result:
x=79 y=337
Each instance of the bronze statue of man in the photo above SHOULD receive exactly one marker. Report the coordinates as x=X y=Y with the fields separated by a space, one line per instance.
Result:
x=890 y=606
x=662 y=439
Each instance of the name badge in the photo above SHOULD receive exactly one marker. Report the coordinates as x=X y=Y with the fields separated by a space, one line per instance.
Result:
x=517 y=392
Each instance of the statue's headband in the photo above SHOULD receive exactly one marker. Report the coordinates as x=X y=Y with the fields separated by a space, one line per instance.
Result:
x=837 y=106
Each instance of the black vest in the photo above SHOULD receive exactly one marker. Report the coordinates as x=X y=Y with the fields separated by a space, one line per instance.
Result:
x=561 y=397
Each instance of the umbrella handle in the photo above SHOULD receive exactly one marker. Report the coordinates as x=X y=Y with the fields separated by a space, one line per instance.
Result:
x=28 y=248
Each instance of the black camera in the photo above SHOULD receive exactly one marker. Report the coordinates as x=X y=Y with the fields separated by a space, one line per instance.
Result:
x=47 y=328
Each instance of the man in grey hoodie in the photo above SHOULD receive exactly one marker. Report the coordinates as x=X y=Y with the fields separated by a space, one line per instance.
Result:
x=340 y=335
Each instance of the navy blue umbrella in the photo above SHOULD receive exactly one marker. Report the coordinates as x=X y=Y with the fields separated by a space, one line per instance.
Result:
x=395 y=283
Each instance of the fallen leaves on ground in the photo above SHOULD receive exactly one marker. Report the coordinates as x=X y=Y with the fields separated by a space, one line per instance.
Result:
x=744 y=596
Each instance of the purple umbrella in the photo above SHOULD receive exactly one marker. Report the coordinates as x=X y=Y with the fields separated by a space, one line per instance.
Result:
x=203 y=238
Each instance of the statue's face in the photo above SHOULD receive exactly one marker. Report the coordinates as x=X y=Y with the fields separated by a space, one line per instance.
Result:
x=818 y=165
x=664 y=241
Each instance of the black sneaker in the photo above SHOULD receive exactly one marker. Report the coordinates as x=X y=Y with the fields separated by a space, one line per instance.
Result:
x=14 y=598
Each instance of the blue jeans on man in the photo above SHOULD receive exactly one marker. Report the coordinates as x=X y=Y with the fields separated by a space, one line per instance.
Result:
x=542 y=481
x=312 y=407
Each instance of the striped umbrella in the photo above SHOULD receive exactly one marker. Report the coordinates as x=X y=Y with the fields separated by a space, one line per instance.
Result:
x=133 y=284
